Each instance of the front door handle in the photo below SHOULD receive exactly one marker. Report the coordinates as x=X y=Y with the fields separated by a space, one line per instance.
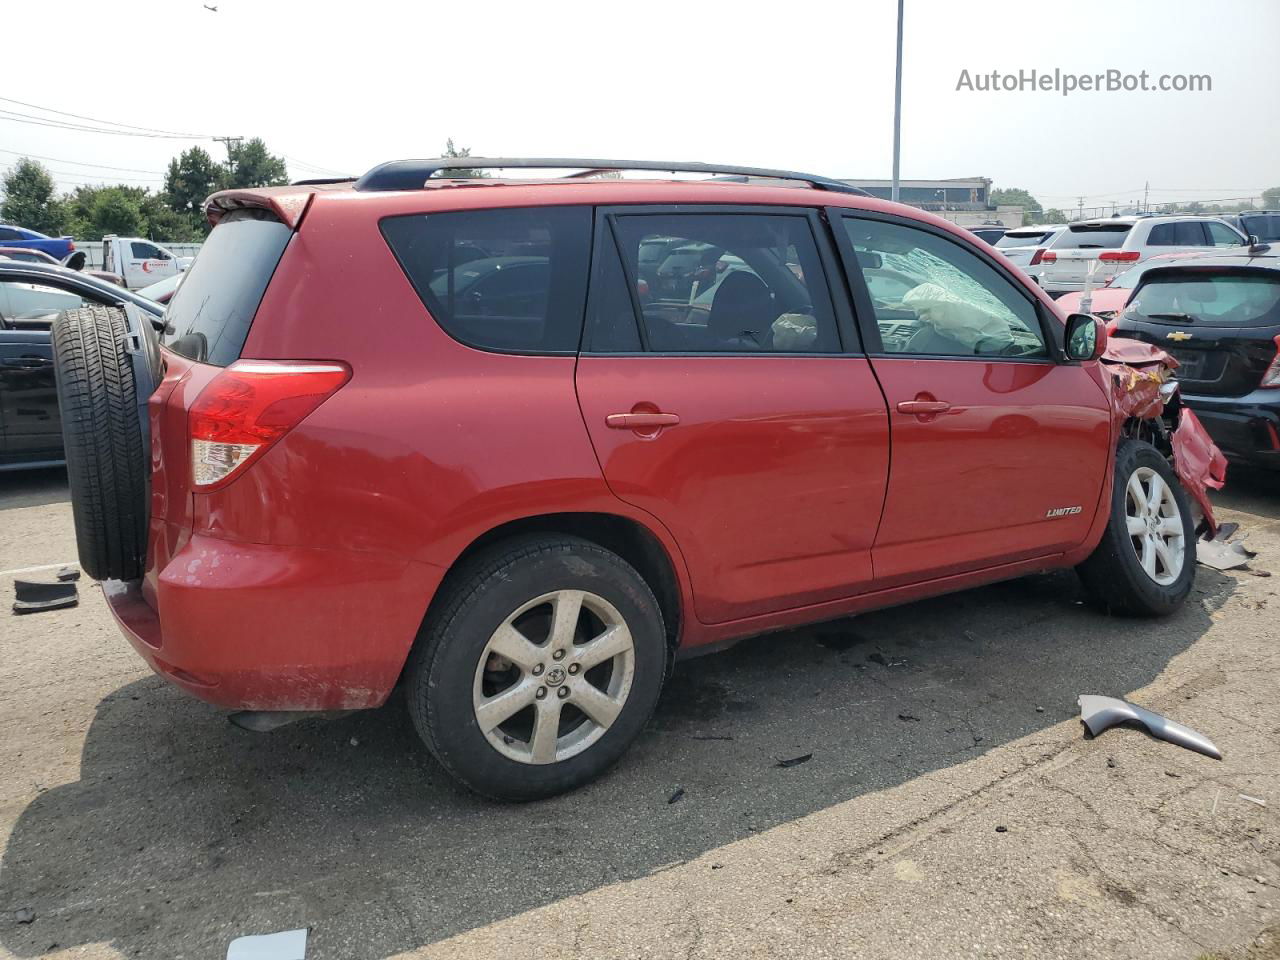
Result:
x=923 y=407
x=641 y=421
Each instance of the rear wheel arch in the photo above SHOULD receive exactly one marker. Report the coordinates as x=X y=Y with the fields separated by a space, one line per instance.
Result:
x=628 y=538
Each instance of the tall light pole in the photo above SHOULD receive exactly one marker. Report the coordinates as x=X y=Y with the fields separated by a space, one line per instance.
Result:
x=897 y=111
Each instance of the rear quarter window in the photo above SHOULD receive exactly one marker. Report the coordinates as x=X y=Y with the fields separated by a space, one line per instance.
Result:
x=508 y=280
x=212 y=311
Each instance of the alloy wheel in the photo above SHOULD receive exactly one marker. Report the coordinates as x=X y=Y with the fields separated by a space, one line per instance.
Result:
x=553 y=677
x=1154 y=524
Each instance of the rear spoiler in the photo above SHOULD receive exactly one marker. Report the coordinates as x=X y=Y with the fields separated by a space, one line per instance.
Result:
x=289 y=204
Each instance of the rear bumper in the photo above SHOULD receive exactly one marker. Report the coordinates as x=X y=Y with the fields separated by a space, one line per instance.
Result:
x=1246 y=429
x=264 y=627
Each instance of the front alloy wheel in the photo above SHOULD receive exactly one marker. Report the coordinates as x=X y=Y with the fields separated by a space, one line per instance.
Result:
x=1154 y=522
x=1145 y=561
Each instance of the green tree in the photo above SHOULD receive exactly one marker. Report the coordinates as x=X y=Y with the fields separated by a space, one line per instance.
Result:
x=191 y=177
x=118 y=210
x=167 y=225
x=29 y=199
x=250 y=164
x=1017 y=197
x=1053 y=215
x=453 y=152
x=1271 y=198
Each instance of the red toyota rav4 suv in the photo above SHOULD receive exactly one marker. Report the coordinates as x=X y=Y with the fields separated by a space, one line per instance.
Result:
x=513 y=444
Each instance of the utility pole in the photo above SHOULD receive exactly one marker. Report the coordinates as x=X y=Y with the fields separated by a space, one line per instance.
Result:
x=897 y=113
x=1079 y=208
x=229 y=142
x=1146 y=193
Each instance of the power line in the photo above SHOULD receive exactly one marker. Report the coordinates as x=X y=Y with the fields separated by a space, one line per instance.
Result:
x=81 y=128
x=110 y=123
x=80 y=163
x=312 y=166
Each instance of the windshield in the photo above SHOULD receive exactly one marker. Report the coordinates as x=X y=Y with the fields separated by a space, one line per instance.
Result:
x=1231 y=299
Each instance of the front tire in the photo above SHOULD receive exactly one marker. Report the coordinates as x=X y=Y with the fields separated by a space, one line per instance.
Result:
x=1145 y=562
x=539 y=664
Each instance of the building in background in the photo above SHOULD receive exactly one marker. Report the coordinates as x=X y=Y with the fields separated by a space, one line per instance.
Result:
x=964 y=200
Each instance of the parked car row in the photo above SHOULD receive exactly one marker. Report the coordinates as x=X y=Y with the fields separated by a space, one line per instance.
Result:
x=33 y=292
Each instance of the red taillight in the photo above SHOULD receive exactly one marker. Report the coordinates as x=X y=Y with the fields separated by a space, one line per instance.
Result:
x=1049 y=257
x=71 y=245
x=248 y=407
x=1119 y=256
x=1039 y=255
x=1272 y=377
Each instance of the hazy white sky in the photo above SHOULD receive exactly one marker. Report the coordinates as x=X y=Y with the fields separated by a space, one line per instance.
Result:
x=799 y=84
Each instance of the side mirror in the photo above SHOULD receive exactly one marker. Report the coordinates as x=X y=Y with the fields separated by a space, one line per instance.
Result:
x=1086 y=338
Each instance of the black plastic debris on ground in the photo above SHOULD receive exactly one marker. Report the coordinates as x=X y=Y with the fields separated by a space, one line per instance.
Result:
x=906 y=717
x=69 y=573
x=31 y=597
x=676 y=797
x=794 y=761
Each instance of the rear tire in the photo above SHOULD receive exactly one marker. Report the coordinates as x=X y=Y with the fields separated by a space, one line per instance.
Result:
x=512 y=597
x=1114 y=573
x=106 y=461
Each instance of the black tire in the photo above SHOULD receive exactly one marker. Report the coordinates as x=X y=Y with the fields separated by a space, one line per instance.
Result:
x=102 y=435
x=1113 y=573
x=472 y=604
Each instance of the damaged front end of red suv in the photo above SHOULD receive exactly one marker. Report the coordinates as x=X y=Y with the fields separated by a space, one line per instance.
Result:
x=1148 y=407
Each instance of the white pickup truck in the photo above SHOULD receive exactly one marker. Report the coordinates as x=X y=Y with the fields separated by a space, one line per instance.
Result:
x=140 y=261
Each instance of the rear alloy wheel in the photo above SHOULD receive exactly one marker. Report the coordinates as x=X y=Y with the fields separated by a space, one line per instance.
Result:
x=540 y=662
x=1145 y=562
x=554 y=677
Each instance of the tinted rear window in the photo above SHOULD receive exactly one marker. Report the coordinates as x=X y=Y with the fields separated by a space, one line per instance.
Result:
x=509 y=280
x=1266 y=227
x=1225 y=299
x=211 y=313
x=1023 y=238
x=1089 y=237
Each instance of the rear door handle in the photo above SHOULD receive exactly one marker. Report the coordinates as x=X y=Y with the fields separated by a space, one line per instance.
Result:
x=918 y=407
x=641 y=421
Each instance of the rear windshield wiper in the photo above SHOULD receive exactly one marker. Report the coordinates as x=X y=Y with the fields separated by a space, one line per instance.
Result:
x=1176 y=317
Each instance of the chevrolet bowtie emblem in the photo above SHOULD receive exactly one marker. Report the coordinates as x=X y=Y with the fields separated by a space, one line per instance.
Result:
x=1178 y=335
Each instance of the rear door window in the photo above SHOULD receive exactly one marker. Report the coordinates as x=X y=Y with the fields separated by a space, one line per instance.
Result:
x=511 y=280
x=1089 y=236
x=213 y=309
x=723 y=283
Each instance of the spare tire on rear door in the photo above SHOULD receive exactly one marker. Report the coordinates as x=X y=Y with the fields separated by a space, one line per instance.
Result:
x=103 y=435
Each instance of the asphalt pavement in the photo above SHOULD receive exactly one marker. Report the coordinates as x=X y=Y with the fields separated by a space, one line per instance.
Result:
x=949 y=805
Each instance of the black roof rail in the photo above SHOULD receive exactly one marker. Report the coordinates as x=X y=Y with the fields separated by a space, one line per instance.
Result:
x=320 y=181
x=413 y=174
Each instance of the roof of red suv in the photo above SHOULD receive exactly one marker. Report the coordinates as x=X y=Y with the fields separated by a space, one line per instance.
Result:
x=408 y=185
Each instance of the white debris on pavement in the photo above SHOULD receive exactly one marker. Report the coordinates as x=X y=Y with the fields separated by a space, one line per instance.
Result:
x=289 y=945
